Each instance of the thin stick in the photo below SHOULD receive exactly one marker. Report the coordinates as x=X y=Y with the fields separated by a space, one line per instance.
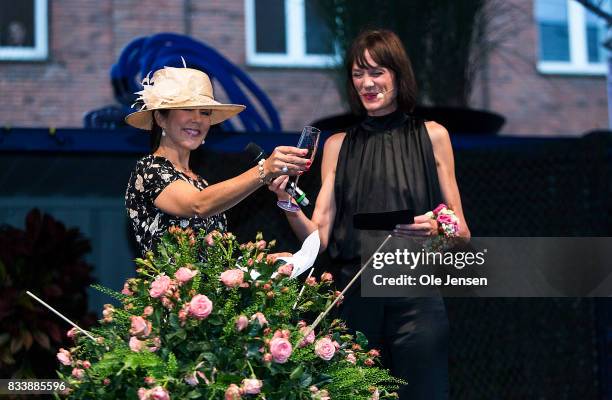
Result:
x=60 y=315
x=357 y=275
x=302 y=289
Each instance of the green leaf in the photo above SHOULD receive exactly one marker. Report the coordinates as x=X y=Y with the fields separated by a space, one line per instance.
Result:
x=361 y=340
x=306 y=380
x=215 y=320
x=297 y=373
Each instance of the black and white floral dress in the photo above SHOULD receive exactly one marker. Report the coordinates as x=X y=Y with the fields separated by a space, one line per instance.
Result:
x=150 y=176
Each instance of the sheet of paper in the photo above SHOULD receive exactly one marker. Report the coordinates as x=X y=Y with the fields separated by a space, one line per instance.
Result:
x=306 y=256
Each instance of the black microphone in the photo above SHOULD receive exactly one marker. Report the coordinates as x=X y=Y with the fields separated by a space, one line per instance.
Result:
x=258 y=153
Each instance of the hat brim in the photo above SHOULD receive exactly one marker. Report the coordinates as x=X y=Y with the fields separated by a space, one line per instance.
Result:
x=220 y=112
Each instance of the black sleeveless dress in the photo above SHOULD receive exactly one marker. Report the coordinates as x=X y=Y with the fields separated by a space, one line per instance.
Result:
x=387 y=164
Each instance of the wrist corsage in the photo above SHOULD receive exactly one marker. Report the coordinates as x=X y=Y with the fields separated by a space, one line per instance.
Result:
x=448 y=228
x=448 y=222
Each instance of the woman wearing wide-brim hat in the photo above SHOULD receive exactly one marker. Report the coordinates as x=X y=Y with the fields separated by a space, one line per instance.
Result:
x=178 y=107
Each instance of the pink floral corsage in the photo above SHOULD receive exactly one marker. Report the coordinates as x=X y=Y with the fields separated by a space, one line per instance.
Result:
x=448 y=222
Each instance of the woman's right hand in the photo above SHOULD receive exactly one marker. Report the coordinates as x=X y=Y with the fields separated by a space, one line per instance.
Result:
x=286 y=156
x=278 y=186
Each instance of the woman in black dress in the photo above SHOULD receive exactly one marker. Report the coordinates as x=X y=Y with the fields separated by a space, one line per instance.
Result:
x=391 y=161
x=163 y=191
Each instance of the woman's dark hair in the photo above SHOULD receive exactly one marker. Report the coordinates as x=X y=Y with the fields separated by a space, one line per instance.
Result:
x=387 y=50
x=156 y=130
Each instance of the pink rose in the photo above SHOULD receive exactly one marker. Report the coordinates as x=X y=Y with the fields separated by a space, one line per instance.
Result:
x=210 y=241
x=374 y=353
x=143 y=394
x=184 y=274
x=445 y=219
x=140 y=327
x=261 y=245
x=311 y=281
x=106 y=382
x=64 y=357
x=440 y=207
x=200 y=306
x=308 y=339
x=135 y=344
x=72 y=332
x=107 y=313
x=285 y=269
x=126 y=289
x=232 y=392
x=232 y=277
x=78 y=373
x=241 y=323
x=86 y=364
x=149 y=380
x=260 y=318
x=351 y=358
x=251 y=386
x=160 y=286
x=267 y=357
x=158 y=393
x=375 y=395
x=281 y=349
x=326 y=277
x=369 y=362
x=156 y=344
x=148 y=310
x=325 y=349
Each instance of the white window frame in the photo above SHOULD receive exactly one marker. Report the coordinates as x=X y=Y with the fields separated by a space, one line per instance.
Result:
x=295 y=38
x=40 y=51
x=579 y=57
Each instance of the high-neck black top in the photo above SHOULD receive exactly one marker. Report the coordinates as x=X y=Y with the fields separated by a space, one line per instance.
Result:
x=385 y=164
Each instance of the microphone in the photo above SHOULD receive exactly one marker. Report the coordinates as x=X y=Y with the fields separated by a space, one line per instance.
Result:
x=258 y=153
x=381 y=95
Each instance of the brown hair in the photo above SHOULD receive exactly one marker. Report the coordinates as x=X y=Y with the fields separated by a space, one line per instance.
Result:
x=387 y=50
x=156 y=130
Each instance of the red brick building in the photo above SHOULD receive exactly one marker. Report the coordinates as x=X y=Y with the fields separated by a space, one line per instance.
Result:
x=540 y=92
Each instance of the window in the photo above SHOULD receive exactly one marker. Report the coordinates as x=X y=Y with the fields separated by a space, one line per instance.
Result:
x=23 y=30
x=287 y=33
x=570 y=38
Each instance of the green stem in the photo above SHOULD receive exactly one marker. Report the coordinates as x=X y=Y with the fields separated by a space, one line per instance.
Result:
x=253 y=376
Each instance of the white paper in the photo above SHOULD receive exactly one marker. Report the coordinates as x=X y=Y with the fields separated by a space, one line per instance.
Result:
x=306 y=256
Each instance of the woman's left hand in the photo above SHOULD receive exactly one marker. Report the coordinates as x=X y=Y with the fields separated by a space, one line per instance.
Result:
x=423 y=226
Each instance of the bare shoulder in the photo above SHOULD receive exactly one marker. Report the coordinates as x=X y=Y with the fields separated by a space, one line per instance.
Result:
x=437 y=133
x=334 y=142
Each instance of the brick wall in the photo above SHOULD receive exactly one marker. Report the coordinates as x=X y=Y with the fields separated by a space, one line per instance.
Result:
x=535 y=103
x=86 y=37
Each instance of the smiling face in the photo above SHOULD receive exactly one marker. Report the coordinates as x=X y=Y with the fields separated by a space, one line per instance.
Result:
x=185 y=129
x=375 y=85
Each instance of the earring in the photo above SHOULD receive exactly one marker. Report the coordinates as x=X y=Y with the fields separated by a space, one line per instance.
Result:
x=203 y=141
x=163 y=132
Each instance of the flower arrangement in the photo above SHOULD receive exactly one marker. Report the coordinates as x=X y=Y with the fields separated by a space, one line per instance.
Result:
x=209 y=318
x=47 y=258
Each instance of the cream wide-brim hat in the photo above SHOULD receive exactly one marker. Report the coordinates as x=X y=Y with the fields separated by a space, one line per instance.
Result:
x=178 y=88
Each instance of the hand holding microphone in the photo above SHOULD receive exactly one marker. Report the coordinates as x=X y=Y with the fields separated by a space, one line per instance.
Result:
x=279 y=184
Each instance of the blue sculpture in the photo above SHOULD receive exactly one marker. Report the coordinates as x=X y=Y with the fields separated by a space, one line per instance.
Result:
x=148 y=54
